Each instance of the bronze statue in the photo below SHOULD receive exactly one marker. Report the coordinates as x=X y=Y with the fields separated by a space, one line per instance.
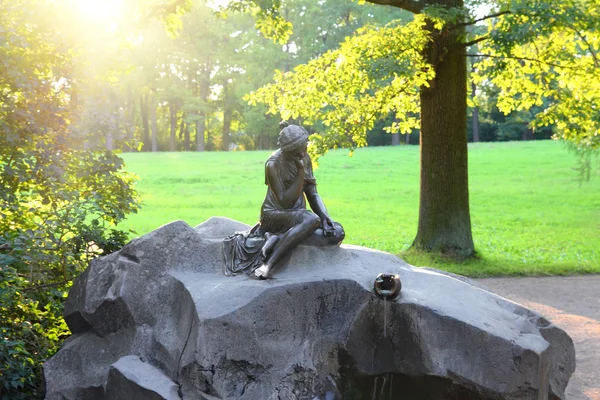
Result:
x=284 y=220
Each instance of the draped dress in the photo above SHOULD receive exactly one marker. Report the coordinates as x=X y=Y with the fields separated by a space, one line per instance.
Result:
x=242 y=250
x=274 y=216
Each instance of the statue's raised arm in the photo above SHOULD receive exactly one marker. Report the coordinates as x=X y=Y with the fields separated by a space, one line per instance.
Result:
x=285 y=221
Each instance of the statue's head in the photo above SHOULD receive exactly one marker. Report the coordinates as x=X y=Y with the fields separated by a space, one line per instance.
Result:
x=293 y=139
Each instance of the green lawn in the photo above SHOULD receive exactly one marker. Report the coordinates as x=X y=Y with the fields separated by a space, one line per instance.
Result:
x=529 y=214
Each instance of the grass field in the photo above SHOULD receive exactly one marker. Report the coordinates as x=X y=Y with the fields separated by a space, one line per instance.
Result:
x=529 y=214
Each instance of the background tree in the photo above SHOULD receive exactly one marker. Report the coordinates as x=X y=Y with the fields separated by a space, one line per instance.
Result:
x=346 y=89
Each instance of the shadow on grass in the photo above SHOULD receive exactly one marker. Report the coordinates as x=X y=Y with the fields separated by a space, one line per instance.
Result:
x=479 y=266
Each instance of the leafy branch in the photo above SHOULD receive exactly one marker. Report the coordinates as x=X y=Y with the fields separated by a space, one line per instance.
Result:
x=490 y=16
x=537 y=60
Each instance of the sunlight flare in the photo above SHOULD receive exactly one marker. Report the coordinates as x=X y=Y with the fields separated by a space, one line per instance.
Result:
x=105 y=12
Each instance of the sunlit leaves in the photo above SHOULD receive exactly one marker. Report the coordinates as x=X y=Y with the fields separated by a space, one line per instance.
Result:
x=268 y=19
x=274 y=27
x=548 y=53
x=170 y=14
x=441 y=15
x=374 y=73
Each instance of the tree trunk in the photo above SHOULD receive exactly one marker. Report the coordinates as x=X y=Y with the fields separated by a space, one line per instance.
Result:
x=128 y=146
x=145 y=126
x=526 y=132
x=186 y=137
x=184 y=133
x=227 y=116
x=201 y=132
x=153 y=122
x=200 y=127
x=444 y=218
x=407 y=138
x=209 y=143
x=173 y=121
x=109 y=141
x=181 y=126
x=395 y=139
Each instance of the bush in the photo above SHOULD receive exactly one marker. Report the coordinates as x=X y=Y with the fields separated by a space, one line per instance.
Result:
x=51 y=226
x=32 y=327
x=60 y=199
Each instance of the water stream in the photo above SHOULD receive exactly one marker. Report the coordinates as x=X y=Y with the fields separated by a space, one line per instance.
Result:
x=384 y=391
x=384 y=318
x=386 y=287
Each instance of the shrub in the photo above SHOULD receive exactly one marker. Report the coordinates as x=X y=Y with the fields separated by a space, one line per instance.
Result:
x=60 y=197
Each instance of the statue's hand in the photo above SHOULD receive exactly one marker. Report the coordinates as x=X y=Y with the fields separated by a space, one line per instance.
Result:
x=309 y=181
x=327 y=225
x=299 y=164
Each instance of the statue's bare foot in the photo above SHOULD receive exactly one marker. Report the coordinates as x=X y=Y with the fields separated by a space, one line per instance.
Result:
x=262 y=272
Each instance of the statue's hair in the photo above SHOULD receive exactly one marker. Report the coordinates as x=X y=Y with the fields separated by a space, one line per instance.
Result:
x=291 y=137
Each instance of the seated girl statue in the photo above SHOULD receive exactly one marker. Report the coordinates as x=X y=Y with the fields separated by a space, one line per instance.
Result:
x=284 y=220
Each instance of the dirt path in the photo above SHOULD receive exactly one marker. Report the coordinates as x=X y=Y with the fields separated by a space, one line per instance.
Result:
x=573 y=303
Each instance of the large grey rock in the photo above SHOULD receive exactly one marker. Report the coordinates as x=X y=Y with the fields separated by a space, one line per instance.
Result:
x=79 y=369
x=316 y=331
x=132 y=379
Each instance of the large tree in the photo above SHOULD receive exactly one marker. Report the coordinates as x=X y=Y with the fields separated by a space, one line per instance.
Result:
x=444 y=218
x=535 y=51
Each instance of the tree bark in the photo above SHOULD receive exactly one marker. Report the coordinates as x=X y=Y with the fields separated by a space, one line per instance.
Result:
x=444 y=218
x=200 y=127
x=173 y=121
x=184 y=131
x=181 y=126
x=395 y=139
x=153 y=122
x=227 y=117
x=186 y=134
x=109 y=141
x=145 y=126
x=209 y=143
x=130 y=122
x=204 y=87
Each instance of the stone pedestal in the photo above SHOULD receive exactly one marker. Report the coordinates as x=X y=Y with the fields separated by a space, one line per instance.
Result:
x=159 y=320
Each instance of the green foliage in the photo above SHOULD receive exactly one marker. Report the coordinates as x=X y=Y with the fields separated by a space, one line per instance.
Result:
x=529 y=214
x=377 y=72
x=540 y=54
x=31 y=327
x=170 y=14
x=268 y=19
x=441 y=15
x=585 y=160
x=545 y=54
x=180 y=59
x=60 y=197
